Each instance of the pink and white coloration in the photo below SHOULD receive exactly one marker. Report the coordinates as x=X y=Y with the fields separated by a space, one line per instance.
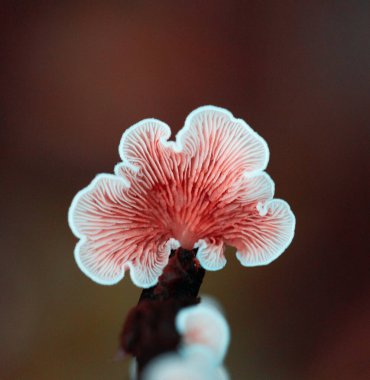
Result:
x=206 y=190
x=203 y=326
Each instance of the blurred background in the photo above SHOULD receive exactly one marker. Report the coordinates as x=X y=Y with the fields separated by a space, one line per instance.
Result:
x=74 y=75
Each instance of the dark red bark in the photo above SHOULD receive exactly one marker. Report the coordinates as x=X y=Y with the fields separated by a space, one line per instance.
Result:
x=149 y=329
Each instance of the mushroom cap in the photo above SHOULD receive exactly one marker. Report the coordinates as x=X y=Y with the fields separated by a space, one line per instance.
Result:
x=203 y=328
x=175 y=367
x=205 y=190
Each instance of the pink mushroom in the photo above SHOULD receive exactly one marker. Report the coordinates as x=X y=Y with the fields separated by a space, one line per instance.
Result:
x=206 y=190
x=203 y=326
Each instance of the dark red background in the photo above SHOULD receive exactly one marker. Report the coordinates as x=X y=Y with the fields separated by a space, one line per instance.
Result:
x=74 y=75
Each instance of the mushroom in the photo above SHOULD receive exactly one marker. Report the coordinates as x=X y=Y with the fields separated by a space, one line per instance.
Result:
x=206 y=190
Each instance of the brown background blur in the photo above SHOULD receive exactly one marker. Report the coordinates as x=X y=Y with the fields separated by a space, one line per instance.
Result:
x=74 y=75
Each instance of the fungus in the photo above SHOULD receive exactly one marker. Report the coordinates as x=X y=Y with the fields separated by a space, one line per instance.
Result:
x=176 y=367
x=203 y=326
x=206 y=190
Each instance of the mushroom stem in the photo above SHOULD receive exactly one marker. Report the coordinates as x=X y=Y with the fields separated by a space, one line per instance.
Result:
x=149 y=329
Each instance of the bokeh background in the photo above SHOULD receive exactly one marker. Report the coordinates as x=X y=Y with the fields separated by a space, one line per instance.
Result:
x=75 y=74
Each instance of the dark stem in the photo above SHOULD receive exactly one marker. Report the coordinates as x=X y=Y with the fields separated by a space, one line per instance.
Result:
x=149 y=329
